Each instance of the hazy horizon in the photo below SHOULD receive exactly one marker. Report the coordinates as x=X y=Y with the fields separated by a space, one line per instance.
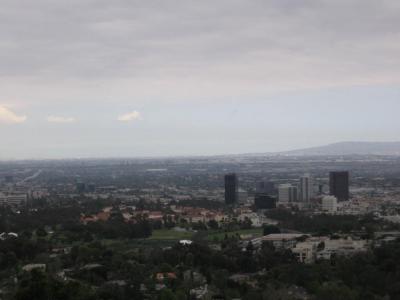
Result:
x=181 y=78
x=183 y=155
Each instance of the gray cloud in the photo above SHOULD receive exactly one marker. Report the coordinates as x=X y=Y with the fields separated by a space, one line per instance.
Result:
x=177 y=61
x=228 y=46
x=60 y=119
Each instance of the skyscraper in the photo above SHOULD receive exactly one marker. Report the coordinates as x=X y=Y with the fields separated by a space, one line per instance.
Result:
x=264 y=201
x=263 y=198
x=265 y=187
x=339 y=185
x=306 y=189
x=287 y=193
x=231 y=189
x=9 y=178
x=80 y=187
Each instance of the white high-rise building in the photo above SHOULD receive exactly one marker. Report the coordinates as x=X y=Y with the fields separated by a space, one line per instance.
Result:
x=306 y=189
x=287 y=193
x=329 y=204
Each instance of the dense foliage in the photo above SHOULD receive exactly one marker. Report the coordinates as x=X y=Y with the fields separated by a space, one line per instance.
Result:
x=328 y=224
x=113 y=260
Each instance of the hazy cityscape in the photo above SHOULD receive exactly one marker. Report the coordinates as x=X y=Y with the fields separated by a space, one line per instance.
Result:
x=199 y=150
x=199 y=227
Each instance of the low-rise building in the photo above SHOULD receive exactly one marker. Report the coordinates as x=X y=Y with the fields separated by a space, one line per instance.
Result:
x=13 y=199
x=329 y=204
x=305 y=252
x=342 y=247
x=279 y=240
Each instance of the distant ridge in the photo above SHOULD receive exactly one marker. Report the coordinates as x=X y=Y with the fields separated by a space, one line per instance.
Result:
x=349 y=148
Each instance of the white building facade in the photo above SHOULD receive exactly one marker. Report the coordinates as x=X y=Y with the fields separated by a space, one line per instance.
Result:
x=329 y=204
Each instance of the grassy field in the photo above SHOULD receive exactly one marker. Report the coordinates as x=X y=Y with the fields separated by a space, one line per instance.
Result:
x=220 y=235
x=167 y=237
x=171 y=235
x=166 y=234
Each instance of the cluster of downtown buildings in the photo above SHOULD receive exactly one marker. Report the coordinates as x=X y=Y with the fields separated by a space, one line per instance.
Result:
x=268 y=195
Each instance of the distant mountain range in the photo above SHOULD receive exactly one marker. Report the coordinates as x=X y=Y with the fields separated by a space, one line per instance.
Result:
x=349 y=148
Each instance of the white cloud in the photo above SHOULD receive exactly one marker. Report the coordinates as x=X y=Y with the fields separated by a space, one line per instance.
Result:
x=9 y=117
x=57 y=119
x=132 y=116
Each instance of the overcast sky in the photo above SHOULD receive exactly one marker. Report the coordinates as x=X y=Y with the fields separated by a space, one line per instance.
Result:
x=94 y=78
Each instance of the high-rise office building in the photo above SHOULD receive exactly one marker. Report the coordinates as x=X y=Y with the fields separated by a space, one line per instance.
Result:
x=243 y=196
x=287 y=193
x=9 y=178
x=320 y=189
x=91 y=188
x=306 y=189
x=80 y=187
x=265 y=187
x=339 y=185
x=264 y=201
x=231 y=189
x=263 y=198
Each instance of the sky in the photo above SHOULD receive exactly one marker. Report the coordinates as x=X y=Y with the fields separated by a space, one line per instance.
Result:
x=127 y=78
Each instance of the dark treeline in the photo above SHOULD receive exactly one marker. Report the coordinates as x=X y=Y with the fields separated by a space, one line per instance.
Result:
x=373 y=275
x=328 y=224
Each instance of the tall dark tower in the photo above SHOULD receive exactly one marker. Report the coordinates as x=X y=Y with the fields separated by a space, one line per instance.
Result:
x=231 y=189
x=339 y=185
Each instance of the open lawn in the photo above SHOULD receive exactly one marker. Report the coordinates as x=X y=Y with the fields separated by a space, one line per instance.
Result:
x=245 y=233
x=167 y=234
x=171 y=235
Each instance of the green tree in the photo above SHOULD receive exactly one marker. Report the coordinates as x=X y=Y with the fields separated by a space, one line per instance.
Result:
x=271 y=229
x=167 y=294
x=335 y=291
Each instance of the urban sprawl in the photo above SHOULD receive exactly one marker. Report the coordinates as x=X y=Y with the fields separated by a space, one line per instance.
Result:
x=195 y=228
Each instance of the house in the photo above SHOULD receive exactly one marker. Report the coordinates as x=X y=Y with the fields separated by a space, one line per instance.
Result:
x=185 y=242
x=120 y=283
x=31 y=267
x=160 y=286
x=155 y=216
x=200 y=292
x=90 y=267
x=194 y=277
x=103 y=216
x=240 y=278
x=165 y=276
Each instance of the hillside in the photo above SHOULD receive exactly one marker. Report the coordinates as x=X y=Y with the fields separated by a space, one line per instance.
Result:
x=350 y=148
